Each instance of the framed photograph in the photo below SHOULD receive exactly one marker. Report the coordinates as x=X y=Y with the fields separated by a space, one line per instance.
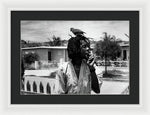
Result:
x=75 y=57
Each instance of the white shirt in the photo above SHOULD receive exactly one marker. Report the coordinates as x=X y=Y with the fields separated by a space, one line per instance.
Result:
x=68 y=83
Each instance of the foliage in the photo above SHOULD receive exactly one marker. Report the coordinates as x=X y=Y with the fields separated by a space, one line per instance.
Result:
x=23 y=43
x=108 y=48
x=31 y=58
x=30 y=44
x=56 y=41
x=34 y=44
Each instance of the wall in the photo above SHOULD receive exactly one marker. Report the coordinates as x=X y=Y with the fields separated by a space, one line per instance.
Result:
x=127 y=51
x=43 y=53
x=56 y=54
x=38 y=81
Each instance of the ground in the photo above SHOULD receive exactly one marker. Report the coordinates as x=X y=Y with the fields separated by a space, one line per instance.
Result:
x=116 y=84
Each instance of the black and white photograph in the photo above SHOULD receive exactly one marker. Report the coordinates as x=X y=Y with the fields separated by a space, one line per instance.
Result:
x=75 y=57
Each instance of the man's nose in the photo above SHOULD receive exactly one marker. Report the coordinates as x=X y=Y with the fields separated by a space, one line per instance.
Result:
x=87 y=48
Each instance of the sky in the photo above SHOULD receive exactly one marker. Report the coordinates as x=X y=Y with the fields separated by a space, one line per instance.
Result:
x=42 y=31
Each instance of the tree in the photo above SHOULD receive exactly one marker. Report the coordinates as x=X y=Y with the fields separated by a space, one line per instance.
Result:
x=56 y=41
x=30 y=58
x=30 y=44
x=23 y=43
x=108 y=49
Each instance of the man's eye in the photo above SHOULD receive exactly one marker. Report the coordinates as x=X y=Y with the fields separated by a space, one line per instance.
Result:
x=83 y=46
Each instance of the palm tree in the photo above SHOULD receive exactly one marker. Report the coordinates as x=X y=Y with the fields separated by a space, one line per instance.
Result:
x=108 y=49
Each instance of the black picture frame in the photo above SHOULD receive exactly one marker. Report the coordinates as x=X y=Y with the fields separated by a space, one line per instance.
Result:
x=132 y=16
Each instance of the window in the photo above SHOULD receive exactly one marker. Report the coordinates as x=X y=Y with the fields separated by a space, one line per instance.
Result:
x=124 y=54
x=49 y=56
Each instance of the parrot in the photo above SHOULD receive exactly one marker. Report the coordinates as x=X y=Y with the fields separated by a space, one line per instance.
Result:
x=77 y=31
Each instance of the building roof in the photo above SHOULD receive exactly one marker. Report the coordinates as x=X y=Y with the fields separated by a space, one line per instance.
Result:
x=122 y=44
x=45 y=47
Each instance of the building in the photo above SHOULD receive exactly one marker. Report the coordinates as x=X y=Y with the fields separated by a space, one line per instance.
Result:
x=59 y=53
x=48 y=53
x=125 y=50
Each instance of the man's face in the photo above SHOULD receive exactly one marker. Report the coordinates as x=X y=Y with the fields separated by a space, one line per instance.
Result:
x=85 y=49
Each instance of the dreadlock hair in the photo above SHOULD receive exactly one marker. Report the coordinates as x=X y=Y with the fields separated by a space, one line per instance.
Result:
x=73 y=48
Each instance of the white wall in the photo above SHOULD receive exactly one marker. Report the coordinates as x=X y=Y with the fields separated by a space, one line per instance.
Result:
x=56 y=54
x=127 y=52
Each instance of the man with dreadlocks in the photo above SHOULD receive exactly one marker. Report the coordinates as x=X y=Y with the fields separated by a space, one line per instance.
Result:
x=78 y=75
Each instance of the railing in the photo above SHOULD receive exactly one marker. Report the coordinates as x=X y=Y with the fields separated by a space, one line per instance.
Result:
x=113 y=63
x=38 y=85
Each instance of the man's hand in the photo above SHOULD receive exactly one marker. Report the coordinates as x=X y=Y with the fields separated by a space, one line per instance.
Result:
x=91 y=59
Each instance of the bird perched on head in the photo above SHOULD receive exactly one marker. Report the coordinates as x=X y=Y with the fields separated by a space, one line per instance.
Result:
x=77 y=31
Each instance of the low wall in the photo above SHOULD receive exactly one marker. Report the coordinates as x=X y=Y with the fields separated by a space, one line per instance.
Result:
x=39 y=85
